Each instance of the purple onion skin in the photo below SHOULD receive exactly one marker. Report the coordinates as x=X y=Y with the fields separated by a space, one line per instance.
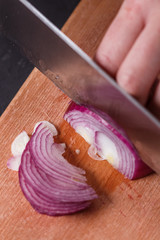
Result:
x=141 y=169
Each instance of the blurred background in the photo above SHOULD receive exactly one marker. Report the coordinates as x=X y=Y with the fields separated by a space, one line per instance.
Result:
x=14 y=67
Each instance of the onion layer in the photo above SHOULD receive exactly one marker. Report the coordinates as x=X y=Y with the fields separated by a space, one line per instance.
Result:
x=51 y=184
x=107 y=140
x=17 y=148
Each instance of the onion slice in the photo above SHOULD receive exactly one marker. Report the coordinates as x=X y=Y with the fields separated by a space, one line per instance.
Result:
x=108 y=141
x=51 y=184
x=47 y=124
x=17 y=148
x=19 y=143
x=14 y=162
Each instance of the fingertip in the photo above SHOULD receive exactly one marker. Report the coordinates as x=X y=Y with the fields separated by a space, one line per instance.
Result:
x=102 y=58
x=128 y=80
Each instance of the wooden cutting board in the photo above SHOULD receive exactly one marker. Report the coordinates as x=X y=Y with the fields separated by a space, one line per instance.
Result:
x=125 y=209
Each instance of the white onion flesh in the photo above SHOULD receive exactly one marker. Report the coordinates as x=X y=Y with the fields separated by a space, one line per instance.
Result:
x=14 y=162
x=19 y=143
x=17 y=148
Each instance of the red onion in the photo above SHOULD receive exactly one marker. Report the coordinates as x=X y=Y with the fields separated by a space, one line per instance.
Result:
x=19 y=143
x=107 y=140
x=17 y=148
x=14 y=162
x=51 y=184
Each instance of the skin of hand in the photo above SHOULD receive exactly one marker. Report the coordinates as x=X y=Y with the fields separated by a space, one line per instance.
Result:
x=130 y=50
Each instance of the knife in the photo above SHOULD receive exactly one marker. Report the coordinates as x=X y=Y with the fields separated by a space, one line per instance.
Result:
x=78 y=76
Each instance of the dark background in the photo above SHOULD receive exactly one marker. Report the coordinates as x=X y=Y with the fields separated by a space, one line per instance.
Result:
x=14 y=67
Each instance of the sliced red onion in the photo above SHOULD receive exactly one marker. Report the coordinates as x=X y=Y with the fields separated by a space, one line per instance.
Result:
x=108 y=141
x=19 y=143
x=51 y=184
x=47 y=124
x=17 y=148
x=14 y=162
x=92 y=152
x=77 y=151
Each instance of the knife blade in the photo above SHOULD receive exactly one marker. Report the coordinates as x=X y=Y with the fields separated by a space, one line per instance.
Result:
x=78 y=76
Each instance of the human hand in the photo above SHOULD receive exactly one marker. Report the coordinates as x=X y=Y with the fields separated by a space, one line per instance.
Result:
x=130 y=50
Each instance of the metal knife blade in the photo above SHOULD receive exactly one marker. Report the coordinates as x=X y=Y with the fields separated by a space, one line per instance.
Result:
x=78 y=76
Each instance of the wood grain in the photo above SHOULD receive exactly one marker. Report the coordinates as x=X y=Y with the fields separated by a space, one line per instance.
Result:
x=125 y=209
